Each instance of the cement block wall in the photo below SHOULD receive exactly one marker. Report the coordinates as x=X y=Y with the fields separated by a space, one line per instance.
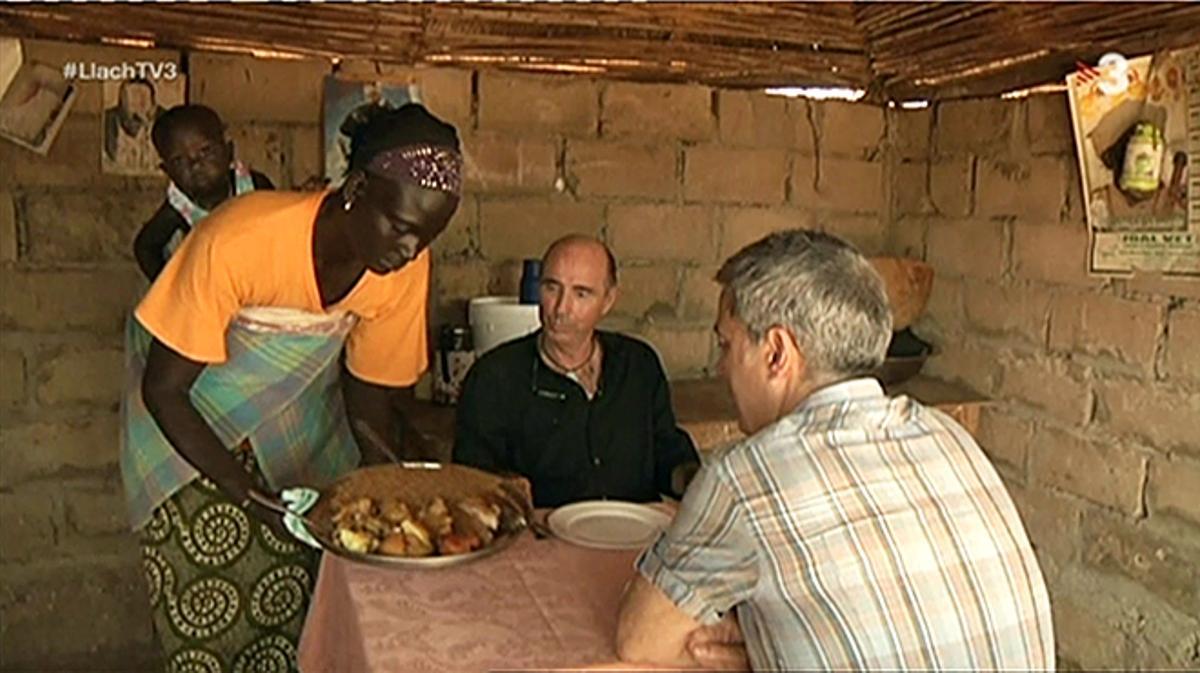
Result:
x=673 y=177
x=1096 y=426
x=1096 y=381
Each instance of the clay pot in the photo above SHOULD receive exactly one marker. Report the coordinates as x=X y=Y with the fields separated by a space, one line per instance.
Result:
x=908 y=282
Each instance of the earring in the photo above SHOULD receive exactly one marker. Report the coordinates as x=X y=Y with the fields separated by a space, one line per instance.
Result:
x=347 y=204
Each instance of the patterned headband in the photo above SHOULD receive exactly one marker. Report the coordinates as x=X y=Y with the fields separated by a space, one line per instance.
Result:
x=427 y=166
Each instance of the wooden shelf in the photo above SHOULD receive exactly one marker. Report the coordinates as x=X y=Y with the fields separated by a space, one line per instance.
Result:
x=705 y=409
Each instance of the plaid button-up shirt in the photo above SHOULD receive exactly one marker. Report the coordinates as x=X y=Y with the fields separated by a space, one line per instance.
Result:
x=859 y=532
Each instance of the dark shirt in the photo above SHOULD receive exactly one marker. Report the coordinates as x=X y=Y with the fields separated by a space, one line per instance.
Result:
x=148 y=246
x=516 y=414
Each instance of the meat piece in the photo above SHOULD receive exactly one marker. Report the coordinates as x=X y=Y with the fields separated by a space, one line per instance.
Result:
x=466 y=524
x=454 y=543
x=395 y=511
x=353 y=511
x=487 y=513
x=417 y=538
x=375 y=526
x=394 y=545
x=436 y=517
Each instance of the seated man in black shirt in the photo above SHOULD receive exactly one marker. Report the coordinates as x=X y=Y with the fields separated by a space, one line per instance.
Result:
x=583 y=414
x=196 y=156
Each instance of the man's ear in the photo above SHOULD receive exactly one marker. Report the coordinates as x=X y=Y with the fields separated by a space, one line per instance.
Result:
x=610 y=300
x=782 y=351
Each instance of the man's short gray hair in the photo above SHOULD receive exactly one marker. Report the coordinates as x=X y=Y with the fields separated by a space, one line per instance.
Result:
x=819 y=288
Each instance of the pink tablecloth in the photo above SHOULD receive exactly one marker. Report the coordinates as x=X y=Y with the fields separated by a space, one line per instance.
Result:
x=538 y=604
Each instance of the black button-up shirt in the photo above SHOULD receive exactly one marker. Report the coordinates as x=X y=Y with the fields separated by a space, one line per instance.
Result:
x=517 y=414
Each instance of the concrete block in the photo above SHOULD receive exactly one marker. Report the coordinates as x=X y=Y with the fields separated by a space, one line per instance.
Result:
x=663 y=233
x=849 y=185
x=49 y=301
x=687 y=352
x=608 y=169
x=9 y=239
x=719 y=174
x=87 y=226
x=850 y=129
x=743 y=226
x=1165 y=567
x=538 y=104
x=1165 y=416
x=523 y=228
x=41 y=449
x=981 y=126
x=646 y=289
x=750 y=119
x=1100 y=471
x=1020 y=311
x=970 y=249
x=501 y=163
x=284 y=90
x=909 y=131
x=1051 y=385
x=669 y=111
x=868 y=233
x=952 y=186
x=1183 y=344
x=1173 y=488
x=92 y=376
x=12 y=378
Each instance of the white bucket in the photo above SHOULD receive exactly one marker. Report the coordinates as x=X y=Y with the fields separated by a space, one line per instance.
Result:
x=495 y=320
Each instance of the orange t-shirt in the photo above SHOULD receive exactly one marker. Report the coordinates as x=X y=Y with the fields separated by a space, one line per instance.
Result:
x=256 y=250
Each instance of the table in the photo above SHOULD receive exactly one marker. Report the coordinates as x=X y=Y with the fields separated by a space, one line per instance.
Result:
x=538 y=604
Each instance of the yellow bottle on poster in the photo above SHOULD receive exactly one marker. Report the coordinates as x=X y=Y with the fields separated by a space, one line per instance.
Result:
x=1142 y=170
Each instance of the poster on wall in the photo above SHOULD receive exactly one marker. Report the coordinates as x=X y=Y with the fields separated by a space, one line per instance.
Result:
x=345 y=101
x=35 y=99
x=1137 y=134
x=130 y=108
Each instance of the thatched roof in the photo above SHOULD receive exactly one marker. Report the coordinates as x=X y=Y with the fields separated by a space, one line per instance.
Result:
x=894 y=50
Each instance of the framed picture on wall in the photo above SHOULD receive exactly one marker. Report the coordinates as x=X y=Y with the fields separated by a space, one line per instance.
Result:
x=130 y=108
x=345 y=101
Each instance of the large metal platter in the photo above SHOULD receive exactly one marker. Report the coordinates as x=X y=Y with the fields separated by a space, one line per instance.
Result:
x=416 y=484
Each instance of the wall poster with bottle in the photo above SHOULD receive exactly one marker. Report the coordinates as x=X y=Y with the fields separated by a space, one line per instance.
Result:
x=1137 y=137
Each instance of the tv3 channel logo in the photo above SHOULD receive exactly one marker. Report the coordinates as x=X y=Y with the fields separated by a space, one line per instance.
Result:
x=90 y=71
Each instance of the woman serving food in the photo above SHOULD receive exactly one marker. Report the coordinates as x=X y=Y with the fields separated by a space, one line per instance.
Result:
x=236 y=383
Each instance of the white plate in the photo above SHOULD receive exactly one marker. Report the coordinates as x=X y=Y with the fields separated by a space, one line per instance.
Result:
x=607 y=524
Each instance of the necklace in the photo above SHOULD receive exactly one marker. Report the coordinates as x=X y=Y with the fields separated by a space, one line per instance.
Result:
x=569 y=370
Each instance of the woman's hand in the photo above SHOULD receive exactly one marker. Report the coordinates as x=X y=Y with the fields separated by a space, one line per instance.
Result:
x=720 y=646
x=165 y=389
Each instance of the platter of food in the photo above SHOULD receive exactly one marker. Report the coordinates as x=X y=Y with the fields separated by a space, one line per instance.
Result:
x=419 y=515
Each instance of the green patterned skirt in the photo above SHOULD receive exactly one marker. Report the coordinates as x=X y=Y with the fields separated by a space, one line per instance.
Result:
x=227 y=594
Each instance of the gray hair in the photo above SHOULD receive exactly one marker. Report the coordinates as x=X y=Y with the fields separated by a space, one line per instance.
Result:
x=821 y=290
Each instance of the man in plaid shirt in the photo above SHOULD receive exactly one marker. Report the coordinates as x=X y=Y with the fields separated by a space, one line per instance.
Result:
x=848 y=530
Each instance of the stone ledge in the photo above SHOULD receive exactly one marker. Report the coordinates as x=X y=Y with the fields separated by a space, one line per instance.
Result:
x=705 y=410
